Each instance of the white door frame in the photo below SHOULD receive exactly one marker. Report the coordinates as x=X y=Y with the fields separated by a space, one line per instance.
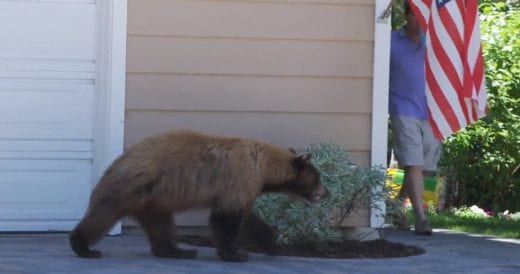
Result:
x=381 y=72
x=109 y=107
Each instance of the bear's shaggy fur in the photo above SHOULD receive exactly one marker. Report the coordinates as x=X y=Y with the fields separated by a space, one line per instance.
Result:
x=172 y=172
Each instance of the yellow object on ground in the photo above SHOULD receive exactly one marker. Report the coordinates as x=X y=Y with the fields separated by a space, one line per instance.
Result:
x=433 y=187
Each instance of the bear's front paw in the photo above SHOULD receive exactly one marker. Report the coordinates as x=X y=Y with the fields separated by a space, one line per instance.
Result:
x=236 y=255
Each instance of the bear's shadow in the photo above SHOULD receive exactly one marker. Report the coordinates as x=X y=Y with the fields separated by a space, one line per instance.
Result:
x=345 y=249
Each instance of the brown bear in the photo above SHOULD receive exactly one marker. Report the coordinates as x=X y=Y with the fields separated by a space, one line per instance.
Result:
x=175 y=171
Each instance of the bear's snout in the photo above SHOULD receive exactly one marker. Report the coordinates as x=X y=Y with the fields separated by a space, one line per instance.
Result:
x=320 y=193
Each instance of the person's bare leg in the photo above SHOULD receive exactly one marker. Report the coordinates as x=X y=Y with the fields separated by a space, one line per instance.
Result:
x=415 y=187
x=414 y=184
x=399 y=219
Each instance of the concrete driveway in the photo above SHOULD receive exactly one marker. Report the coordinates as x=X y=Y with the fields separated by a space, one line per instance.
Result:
x=446 y=252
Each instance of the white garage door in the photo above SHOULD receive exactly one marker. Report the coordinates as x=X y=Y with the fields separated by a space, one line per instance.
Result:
x=47 y=81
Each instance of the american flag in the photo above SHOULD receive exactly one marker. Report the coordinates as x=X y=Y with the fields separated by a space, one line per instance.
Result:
x=455 y=87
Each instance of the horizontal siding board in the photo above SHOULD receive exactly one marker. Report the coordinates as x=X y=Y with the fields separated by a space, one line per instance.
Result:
x=240 y=93
x=360 y=157
x=249 y=57
x=287 y=129
x=252 y=19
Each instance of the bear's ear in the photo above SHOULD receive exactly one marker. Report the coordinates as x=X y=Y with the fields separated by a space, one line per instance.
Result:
x=292 y=150
x=301 y=161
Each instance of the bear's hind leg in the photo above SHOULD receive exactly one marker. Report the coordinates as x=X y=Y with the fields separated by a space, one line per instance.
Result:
x=160 y=229
x=261 y=234
x=89 y=231
x=225 y=227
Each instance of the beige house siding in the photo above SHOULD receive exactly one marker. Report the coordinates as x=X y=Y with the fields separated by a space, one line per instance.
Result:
x=291 y=72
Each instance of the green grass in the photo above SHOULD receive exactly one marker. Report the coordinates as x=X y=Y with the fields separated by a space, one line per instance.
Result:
x=491 y=226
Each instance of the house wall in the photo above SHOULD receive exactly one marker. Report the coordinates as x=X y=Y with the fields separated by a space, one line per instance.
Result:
x=291 y=72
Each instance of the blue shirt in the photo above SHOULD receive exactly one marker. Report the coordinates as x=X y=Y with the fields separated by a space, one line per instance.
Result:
x=407 y=77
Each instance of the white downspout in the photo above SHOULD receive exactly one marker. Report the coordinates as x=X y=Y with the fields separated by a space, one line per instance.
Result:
x=380 y=98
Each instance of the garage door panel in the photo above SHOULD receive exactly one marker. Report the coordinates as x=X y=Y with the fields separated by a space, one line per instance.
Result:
x=46 y=149
x=75 y=146
x=47 y=91
x=43 y=189
x=53 y=111
x=14 y=68
x=44 y=35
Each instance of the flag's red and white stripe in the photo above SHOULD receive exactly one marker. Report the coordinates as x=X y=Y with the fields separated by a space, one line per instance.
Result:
x=455 y=86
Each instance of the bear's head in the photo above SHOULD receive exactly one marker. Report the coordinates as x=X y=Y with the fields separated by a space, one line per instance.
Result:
x=304 y=181
x=307 y=183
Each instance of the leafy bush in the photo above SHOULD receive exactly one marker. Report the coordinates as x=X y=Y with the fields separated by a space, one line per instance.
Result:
x=352 y=188
x=398 y=18
x=482 y=162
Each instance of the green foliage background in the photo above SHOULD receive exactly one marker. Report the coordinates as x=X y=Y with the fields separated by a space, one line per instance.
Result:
x=482 y=162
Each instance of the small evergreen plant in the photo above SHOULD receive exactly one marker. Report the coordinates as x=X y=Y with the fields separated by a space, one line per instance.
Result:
x=352 y=188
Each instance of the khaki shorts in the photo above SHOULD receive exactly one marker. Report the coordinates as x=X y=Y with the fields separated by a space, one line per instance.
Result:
x=414 y=143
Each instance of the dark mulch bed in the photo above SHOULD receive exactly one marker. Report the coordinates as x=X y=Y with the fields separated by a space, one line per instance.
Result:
x=341 y=249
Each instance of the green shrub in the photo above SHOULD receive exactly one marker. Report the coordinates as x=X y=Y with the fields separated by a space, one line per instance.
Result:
x=352 y=187
x=398 y=18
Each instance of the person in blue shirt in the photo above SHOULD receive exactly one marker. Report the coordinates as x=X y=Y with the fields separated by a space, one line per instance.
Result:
x=416 y=149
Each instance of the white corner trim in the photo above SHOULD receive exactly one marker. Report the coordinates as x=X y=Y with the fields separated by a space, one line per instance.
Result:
x=380 y=100
x=109 y=107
